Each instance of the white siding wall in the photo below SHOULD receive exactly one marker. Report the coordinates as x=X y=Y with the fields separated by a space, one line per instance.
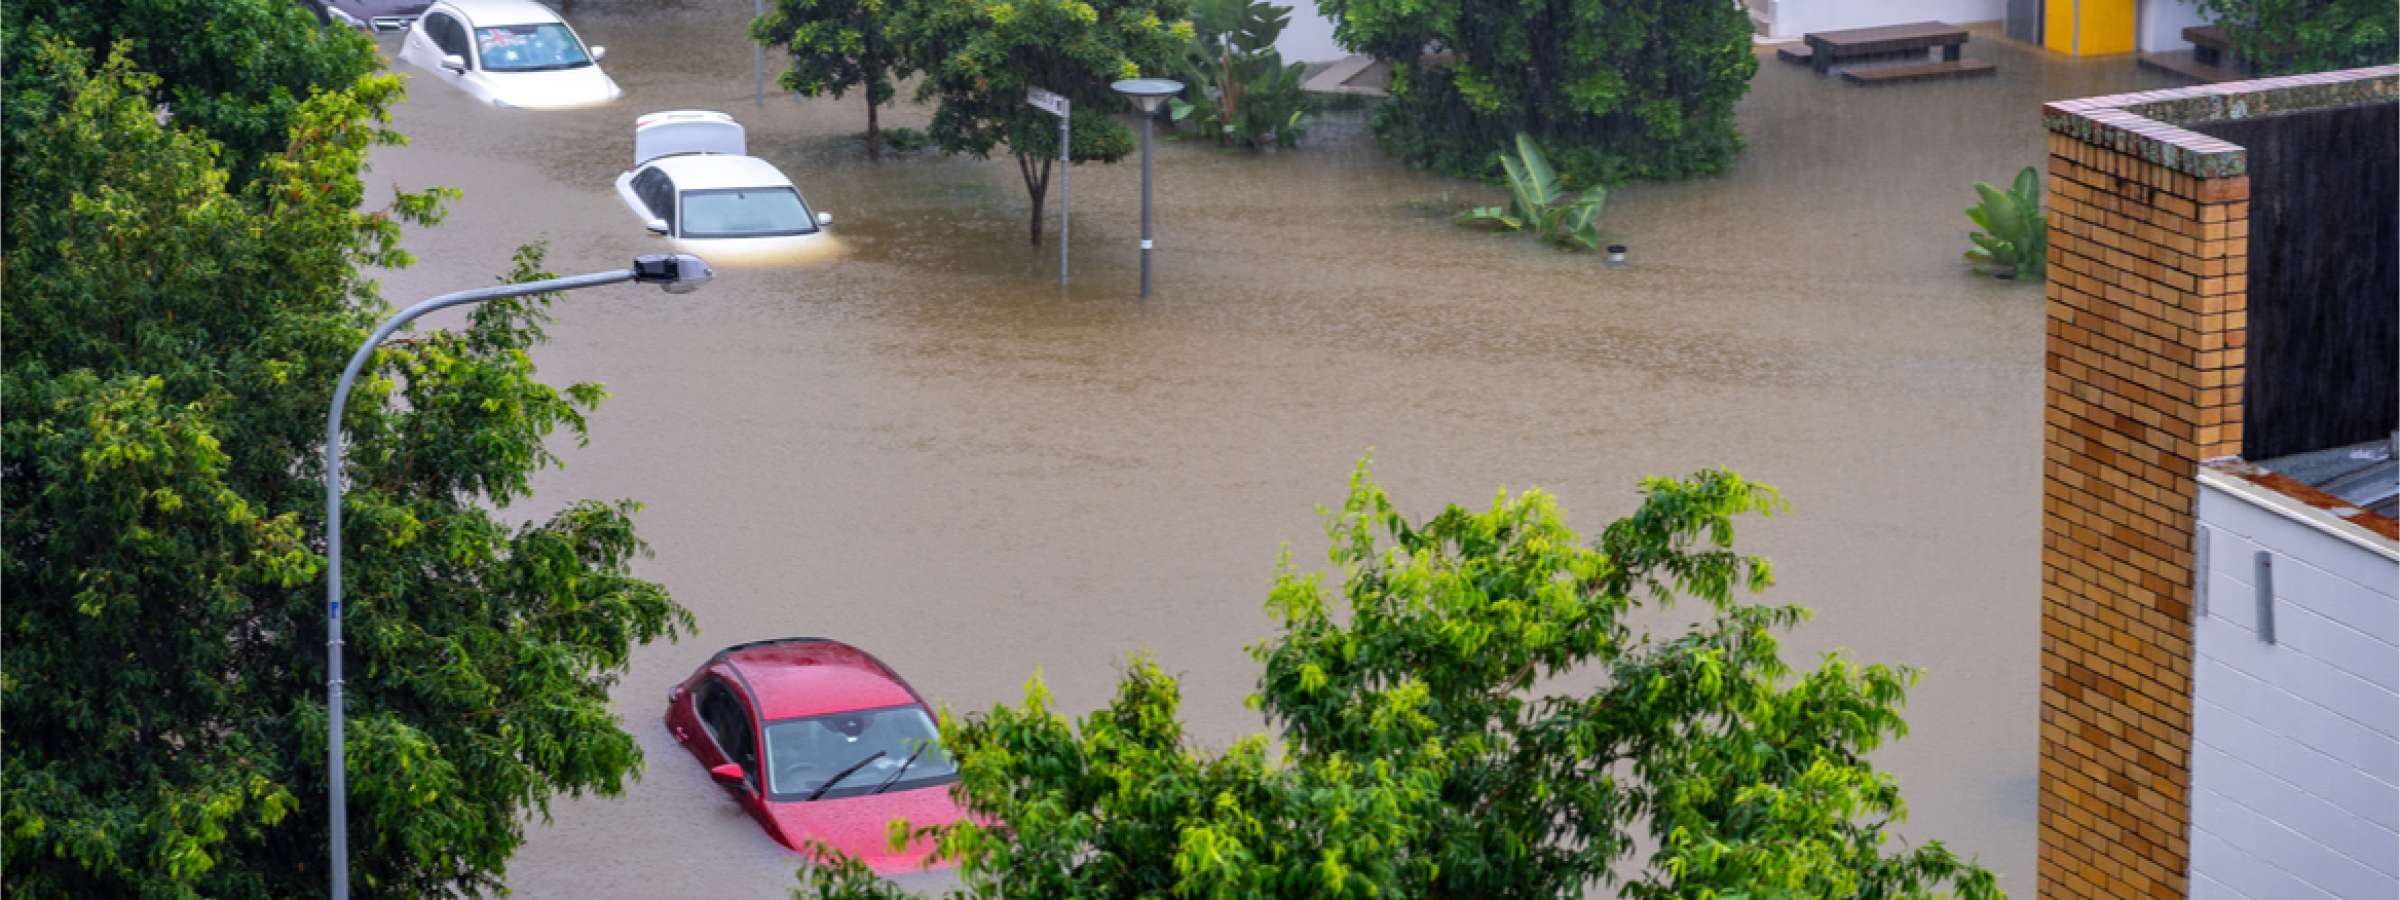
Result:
x=2295 y=744
x=2159 y=25
x=1794 y=18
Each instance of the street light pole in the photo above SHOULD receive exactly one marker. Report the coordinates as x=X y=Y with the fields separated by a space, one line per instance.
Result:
x=1147 y=94
x=1149 y=119
x=678 y=274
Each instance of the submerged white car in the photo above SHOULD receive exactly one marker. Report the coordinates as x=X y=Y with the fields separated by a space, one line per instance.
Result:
x=508 y=53
x=694 y=181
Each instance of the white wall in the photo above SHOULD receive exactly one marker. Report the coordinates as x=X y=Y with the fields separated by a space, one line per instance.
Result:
x=1794 y=18
x=2159 y=24
x=2295 y=744
x=1310 y=36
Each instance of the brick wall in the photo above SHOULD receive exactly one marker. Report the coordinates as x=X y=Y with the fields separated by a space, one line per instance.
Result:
x=2143 y=381
x=2147 y=320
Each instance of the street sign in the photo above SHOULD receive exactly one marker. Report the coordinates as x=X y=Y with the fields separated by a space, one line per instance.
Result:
x=1057 y=106
x=1046 y=101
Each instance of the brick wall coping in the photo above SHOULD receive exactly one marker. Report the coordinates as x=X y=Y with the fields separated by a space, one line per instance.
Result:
x=2150 y=124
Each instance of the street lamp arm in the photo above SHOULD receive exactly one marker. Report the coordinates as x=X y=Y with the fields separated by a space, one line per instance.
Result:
x=337 y=778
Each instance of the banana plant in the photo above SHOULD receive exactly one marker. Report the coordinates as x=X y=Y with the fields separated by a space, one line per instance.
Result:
x=2015 y=239
x=1540 y=204
x=1243 y=93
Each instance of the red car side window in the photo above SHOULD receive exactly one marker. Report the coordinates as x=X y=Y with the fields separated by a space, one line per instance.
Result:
x=729 y=724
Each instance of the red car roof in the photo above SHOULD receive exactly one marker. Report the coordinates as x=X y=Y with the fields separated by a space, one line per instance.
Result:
x=814 y=676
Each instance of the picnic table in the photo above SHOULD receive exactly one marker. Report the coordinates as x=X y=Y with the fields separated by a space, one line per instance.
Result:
x=1828 y=47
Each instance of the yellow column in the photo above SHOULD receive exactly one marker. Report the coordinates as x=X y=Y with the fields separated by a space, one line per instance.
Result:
x=2088 y=27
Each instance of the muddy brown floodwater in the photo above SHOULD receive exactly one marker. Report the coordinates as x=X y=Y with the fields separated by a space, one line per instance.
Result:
x=920 y=445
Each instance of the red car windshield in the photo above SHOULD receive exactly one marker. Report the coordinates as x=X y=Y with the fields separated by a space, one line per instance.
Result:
x=853 y=753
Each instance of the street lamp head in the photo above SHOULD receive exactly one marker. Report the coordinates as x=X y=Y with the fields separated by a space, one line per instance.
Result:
x=677 y=273
x=1148 y=93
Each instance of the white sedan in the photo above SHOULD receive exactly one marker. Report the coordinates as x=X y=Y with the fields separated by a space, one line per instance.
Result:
x=693 y=181
x=508 y=53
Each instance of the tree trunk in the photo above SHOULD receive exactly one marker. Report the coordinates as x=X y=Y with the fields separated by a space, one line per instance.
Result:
x=874 y=140
x=1037 y=185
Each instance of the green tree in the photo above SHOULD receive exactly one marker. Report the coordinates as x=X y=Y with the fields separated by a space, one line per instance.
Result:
x=238 y=70
x=2287 y=36
x=173 y=340
x=1429 y=750
x=1616 y=89
x=835 y=45
x=979 y=57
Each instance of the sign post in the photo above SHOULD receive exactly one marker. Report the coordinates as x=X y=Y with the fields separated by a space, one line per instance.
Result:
x=1057 y=106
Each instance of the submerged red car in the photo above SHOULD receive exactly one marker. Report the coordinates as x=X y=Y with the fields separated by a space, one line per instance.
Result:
x=820 y=741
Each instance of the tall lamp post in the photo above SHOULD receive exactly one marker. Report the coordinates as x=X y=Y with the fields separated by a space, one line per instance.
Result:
x=678 y=273
x=1148 y=94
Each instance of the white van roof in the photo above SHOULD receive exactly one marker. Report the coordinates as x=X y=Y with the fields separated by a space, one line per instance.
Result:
x=686 y=131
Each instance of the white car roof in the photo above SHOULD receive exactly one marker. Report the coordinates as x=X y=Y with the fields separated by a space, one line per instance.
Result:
x=486 y=13
x=707 y=171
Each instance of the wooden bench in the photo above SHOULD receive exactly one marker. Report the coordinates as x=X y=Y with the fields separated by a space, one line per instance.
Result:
x=2209 y=43
x=1794 y=53
x=1926 y=71
x=2187 y=65
x=1829 y=47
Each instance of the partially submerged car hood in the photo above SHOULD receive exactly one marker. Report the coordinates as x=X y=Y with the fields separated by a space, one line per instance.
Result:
x=861 y=826
x=583 y=86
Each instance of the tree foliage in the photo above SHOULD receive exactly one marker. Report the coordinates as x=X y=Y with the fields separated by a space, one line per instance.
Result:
x=237 y=70
x=1616 y=89
x=2287 y=36
x=979 y=57
x=174 y=334
x=1429 y=749
x=835 y=45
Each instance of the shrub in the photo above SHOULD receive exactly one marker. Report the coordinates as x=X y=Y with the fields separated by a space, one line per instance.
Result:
x=1540 y=204
x=2015 y=238
x=1617 y=89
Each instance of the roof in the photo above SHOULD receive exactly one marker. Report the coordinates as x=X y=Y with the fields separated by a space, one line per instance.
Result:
x=796 y=677
x=485 y=13
x=703 y=171
x=2366 y=475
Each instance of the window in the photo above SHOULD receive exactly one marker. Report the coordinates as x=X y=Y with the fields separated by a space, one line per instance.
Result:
x=530 y=48
x=745 y=212
x=853 y=753
x=729 y=724
x=657 y=193
x=448 y=35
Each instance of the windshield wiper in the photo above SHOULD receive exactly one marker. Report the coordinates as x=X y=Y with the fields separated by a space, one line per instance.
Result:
x=845 y=773
x=912 y=760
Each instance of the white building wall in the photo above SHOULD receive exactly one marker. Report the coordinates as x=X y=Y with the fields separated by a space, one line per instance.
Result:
x=1309 y=38
x=2159 y=24
x=2295 y=744
x=1794 y=18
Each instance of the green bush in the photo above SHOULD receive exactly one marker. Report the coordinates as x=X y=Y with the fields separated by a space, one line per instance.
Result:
x=2015 y=239
x=1242 y=91
x=1617 y=89
x=1538 y=202
x=2286 y=36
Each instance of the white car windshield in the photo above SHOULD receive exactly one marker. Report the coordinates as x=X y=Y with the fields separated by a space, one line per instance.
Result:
x=853 y=753
x=530 y=48
x=745 y=212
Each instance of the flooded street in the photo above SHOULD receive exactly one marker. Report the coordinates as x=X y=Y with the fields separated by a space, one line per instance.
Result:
x=920 y=445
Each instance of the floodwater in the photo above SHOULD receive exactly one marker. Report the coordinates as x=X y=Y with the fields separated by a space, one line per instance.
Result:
x=919 y=444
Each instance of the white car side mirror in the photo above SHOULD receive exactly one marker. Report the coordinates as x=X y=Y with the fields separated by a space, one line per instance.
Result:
x=455 y=63
x=598 y=52
x=824 y=219
x=656 y=226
